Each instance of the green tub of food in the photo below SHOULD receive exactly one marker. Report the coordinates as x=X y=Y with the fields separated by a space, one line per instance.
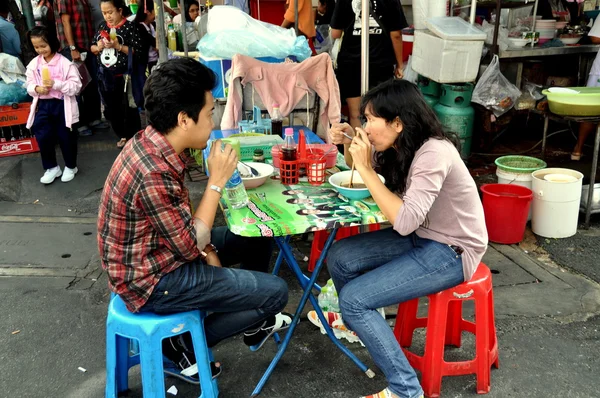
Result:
x=574 y=101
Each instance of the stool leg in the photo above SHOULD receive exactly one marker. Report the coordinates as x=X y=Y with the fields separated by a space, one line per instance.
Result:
x=405 y=322
x=110 y=389
x=203 y=358
x=482 y=344
x=453 y=327
x=153 y=378
x=434 y=347
x=493 y=335
x=122 y=369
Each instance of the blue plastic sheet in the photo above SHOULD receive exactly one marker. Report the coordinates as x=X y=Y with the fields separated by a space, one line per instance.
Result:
x=13 y=93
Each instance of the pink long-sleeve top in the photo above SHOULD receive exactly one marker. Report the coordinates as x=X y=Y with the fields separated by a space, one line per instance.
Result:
x=441 y=203
x=67 y=84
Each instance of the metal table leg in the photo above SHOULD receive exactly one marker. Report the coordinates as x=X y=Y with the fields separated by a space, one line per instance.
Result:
x=546 y=120
x=588 y=209
x=293 y=264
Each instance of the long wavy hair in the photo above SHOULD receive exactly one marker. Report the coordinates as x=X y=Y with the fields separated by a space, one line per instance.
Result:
x=403 y=100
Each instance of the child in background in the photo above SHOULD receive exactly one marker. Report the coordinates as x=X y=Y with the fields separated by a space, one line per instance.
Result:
x=53 y=81
x=113 y=59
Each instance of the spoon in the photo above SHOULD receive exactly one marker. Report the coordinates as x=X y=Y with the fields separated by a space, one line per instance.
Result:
x=253 y=171
x=329 y=150
x=347 y=136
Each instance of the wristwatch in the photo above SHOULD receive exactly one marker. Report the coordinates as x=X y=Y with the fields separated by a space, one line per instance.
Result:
x=217 y=189
x=72 y=48
x=208 y=249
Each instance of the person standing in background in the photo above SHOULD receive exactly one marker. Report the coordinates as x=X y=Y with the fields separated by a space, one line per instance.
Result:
x=74 y=27
x=585 y=129
x=11 y=43
x=306 y=20
x=385 y=47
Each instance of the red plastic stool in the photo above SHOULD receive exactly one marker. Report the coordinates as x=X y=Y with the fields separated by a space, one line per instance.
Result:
x=444 y=327
x=321 y=237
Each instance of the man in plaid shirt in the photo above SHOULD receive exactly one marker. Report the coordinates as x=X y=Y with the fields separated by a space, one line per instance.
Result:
x=162 y=258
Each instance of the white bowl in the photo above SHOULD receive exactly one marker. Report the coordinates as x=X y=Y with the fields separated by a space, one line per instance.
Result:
x=516 y=42
x=570 y=40
x=265 y=171
x=343 y=177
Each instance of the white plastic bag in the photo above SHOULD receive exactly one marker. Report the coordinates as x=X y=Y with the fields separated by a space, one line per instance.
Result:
x=323 y=41
x=494 y=91
x=231 y=31
x=409 y=73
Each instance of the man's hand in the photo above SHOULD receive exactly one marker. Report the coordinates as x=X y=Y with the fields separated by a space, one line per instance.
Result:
x=213 y=259
x=337 y=133
x=399 y=71
x=221 y=163
x=75 y=55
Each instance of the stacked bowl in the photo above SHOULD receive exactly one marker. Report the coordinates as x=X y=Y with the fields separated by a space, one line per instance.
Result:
x=547 y=29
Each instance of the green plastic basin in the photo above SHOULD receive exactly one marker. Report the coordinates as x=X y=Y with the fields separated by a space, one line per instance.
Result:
x=584 y=103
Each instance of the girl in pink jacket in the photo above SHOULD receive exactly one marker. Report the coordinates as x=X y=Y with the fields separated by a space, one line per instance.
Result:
x=53 y=81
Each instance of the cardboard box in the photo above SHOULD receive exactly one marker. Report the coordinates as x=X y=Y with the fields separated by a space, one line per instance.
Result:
x=446 y=61
x=222 y=68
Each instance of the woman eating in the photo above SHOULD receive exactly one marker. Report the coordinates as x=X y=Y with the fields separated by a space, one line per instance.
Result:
x=438 y=236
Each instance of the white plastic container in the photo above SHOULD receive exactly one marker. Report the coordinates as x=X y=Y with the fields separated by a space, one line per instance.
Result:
x=555 y=204
x=446 y=61
x=454 y=28
x=522 y=179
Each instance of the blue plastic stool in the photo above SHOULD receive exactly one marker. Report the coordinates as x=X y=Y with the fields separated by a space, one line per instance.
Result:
x=149 y=330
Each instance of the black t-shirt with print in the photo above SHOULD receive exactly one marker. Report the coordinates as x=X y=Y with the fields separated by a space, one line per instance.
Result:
x=127 y=35
x=381 y=52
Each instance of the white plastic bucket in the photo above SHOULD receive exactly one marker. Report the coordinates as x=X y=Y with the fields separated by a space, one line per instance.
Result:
x=522 y=179
x=555 y=204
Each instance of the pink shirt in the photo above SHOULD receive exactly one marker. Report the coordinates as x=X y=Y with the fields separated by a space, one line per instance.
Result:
x=55 y=74
x=442 y=203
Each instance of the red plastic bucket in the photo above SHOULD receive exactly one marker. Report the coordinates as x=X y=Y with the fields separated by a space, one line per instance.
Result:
x=506 y=207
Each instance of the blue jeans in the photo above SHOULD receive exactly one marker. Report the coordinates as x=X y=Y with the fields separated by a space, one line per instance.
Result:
x=400 y=268
x=238 y=299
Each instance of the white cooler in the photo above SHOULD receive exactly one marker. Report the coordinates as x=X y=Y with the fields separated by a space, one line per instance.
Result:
x=450 y=52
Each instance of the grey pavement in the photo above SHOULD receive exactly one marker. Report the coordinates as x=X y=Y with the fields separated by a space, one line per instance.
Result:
x=53 y=298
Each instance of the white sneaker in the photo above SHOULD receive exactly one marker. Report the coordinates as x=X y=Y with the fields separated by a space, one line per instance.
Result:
x=69 y=174
x=50 y=175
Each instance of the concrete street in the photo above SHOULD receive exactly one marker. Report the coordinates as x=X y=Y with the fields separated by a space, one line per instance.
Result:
x=53 y=298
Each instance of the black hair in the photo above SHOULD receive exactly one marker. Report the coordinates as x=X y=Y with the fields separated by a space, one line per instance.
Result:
x=401 y=99
x=188 y=5
x=177 y=85
x=48 y=35
x=145 y=6
x=119 y=4
x=4 y=8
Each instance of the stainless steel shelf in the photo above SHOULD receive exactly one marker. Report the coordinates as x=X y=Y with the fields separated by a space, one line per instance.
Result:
x=544 y=52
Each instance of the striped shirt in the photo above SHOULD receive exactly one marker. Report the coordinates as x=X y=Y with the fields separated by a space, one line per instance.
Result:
x=145 y=224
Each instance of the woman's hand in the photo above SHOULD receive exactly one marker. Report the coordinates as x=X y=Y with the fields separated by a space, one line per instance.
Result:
x=221 y=163
x=361 y=152
x=337 y=133
x=48 y=83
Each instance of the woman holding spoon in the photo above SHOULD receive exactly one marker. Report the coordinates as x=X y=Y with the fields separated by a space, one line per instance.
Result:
x=438 y=236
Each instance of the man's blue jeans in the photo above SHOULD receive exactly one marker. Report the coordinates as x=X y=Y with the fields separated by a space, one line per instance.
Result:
x=383 y=268
x=238 y=299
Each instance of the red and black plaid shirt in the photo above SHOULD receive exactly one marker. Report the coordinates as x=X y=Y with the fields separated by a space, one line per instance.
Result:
x=81 y=22
x=145 y=224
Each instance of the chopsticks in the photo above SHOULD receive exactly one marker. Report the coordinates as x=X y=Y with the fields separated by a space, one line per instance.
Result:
x=352 y=177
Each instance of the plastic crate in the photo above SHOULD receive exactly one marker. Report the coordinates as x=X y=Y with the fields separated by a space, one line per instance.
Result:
x=331 y=157
x=15 y=139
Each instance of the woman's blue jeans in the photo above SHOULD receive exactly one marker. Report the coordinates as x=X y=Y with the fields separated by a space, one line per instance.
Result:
x=383 y=268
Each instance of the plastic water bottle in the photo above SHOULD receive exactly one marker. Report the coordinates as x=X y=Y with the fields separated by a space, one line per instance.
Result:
x=172 y=38
x=289 y=148
x=236 y=192
x=323 y=299
x=334 y=302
